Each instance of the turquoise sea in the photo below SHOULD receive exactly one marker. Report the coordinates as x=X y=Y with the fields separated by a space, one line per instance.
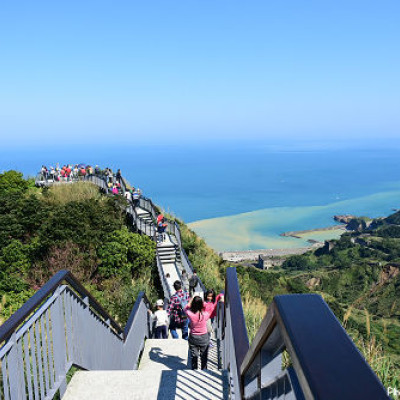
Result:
x=242 y=196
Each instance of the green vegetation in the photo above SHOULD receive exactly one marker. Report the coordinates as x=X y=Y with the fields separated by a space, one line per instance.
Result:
x=75 y=227
x=361 y=272
x=70 y=227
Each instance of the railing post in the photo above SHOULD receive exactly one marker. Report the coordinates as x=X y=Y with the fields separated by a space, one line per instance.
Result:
x=59 y=343
x=16 y=371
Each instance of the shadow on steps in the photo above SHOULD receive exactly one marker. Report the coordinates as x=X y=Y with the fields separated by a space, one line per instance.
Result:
x=193 y=385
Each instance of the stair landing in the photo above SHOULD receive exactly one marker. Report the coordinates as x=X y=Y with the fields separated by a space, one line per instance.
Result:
x=163 y=374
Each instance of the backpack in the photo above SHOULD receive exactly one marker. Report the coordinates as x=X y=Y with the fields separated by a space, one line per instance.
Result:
x=194 y=279
x=183 y=302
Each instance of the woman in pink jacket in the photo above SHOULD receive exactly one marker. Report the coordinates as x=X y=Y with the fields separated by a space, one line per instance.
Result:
x=199 y=338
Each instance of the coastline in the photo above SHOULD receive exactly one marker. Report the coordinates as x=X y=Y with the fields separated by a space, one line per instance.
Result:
x=252 y=255
x=299 y=234
x=262 y=229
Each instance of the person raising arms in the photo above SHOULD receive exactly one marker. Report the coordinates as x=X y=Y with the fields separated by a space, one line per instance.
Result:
x=199 y=338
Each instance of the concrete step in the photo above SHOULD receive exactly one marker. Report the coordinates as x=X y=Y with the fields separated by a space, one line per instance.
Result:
x=166 y=249
x=167 y=260
x=163 y=374
x=148 y=385
x=162 y=354
x=162 y=246
x=167 y=256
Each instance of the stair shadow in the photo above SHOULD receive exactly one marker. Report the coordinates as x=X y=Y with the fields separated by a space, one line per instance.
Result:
x=171 y=362
x=186 y=386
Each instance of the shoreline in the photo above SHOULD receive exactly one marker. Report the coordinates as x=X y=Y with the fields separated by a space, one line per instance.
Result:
x=252 y=255
x=297 y=234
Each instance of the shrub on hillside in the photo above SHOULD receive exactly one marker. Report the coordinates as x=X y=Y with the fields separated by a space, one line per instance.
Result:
x=123 y=252
x=298 y=262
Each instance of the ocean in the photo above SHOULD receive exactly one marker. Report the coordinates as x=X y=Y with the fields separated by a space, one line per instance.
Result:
x=241 y=196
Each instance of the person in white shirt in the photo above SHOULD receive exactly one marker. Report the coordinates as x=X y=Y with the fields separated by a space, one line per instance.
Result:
x=161 y=319
x=170 y=283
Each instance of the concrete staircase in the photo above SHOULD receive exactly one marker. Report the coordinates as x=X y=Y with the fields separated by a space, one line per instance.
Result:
x=163 y=374
x=144 y=215
x=170 y=259
x=163 y=371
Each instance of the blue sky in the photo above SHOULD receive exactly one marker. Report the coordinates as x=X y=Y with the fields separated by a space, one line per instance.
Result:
x=158 y=71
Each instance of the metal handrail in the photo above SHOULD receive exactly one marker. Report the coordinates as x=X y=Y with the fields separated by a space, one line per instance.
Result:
x=15 y=320
x=164 y=283
x=141 y=298
x=233 y=332
x=173 y=228
x=326 y=363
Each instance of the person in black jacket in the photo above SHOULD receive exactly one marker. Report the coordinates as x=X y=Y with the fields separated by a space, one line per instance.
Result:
x=193 y=281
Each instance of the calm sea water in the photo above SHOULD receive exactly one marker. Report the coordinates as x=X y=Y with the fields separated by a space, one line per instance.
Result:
x=198 y=182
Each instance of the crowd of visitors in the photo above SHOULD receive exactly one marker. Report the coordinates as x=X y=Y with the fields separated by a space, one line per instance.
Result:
x=193 y=316
x=76 y=172
x=66 y=173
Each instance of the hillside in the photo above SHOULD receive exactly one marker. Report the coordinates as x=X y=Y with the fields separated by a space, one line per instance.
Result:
x=70 y=227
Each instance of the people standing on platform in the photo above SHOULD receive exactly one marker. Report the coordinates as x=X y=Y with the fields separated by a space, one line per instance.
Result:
x=118 y=175
x=161 y=320
x=176 y=311
x=44 y=172
x=52 y=173
x=136 y=197
x=199 y=338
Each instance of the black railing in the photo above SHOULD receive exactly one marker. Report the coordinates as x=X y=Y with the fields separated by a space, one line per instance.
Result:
x=164 y=282
x=234 y=339
x=60 y=326
x=325 y=362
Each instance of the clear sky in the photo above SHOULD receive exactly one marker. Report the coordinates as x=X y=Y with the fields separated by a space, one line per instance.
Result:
x=160 y=70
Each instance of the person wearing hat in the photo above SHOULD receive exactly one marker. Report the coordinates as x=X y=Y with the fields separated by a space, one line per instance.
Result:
x=161 y=320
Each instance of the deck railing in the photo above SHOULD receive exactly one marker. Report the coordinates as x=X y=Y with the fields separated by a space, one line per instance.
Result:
x=163 y=279
x=232 y=335
x=321 y=360
x=60 y=326
x=325 y=363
